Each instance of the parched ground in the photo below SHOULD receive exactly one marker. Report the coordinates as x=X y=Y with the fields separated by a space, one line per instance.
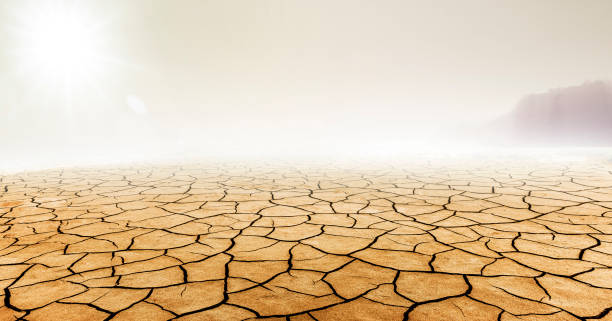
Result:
x=497 y=242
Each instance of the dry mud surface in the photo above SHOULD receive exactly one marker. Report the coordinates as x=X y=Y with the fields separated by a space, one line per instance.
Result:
x=199 y=242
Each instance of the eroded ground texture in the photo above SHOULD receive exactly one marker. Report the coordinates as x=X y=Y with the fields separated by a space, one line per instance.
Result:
x=495 y=242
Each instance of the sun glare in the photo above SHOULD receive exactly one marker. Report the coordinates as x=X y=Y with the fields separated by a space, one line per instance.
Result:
x=60 y=46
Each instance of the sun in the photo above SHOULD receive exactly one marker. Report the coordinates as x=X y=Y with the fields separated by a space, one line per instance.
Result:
x=60 y=46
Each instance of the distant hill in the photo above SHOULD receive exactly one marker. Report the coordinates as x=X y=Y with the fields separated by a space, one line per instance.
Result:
x=577 y=115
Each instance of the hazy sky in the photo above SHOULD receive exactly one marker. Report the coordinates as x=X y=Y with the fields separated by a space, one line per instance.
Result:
x=219 y=72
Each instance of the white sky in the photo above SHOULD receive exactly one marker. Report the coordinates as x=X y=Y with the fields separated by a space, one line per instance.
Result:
x=225 y=74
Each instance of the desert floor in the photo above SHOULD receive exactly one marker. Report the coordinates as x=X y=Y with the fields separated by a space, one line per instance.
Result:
x=489 y=241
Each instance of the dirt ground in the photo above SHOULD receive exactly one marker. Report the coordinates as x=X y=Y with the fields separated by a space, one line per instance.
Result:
x=500 y=241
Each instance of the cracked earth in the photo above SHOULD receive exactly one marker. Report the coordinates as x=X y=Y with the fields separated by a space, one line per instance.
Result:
x=495 y=242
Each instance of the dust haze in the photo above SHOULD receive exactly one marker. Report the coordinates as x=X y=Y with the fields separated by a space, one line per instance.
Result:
x=294 y=79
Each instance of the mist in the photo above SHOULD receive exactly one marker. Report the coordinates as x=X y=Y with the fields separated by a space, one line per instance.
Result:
x=153 y=80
